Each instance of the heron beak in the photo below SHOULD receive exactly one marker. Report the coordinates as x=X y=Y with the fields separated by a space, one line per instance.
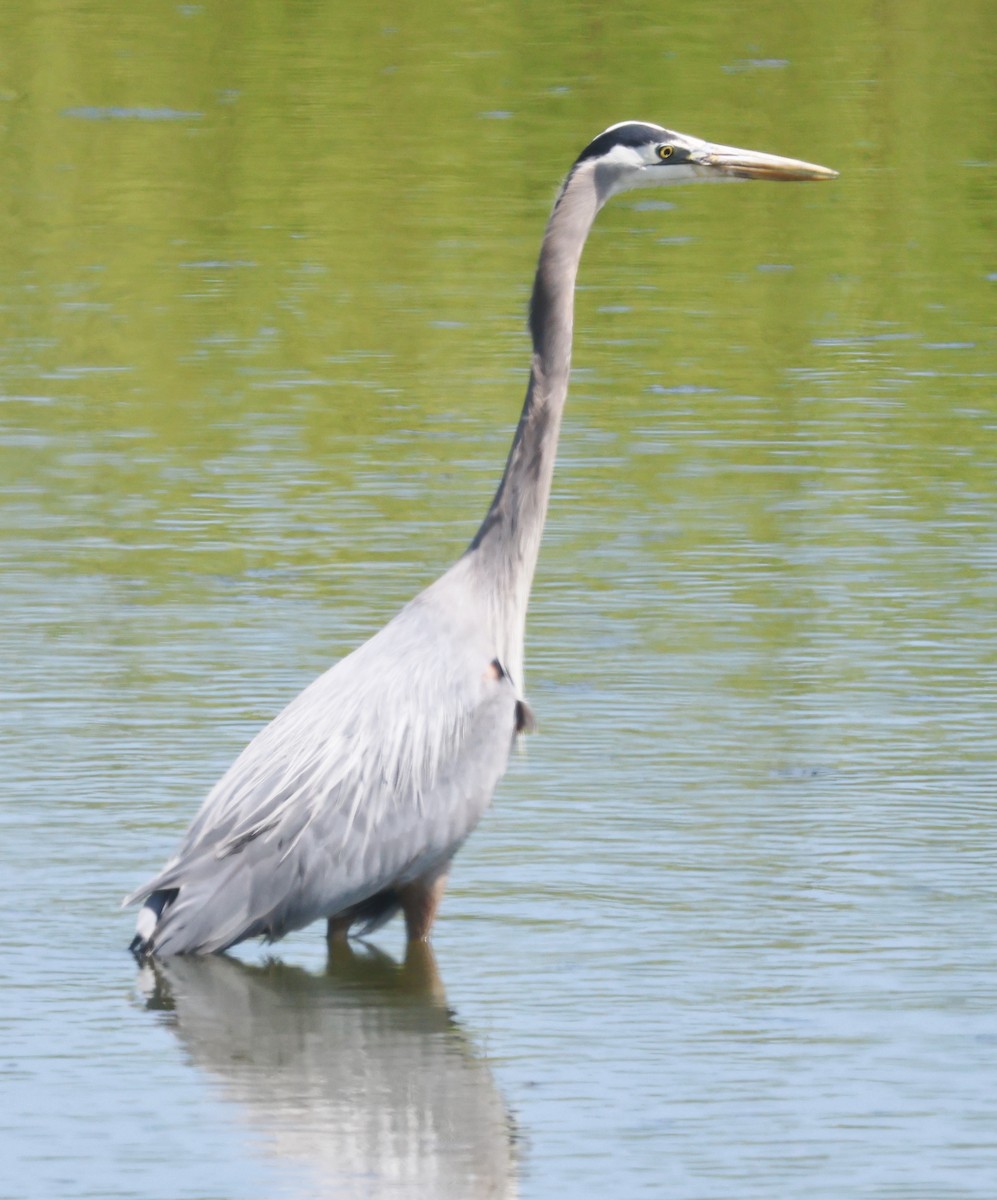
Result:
x=750 y=164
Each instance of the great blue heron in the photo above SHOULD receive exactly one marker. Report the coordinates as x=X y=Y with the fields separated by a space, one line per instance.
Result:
x=352 y=803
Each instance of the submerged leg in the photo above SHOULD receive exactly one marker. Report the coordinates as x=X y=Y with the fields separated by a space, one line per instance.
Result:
x=420 y=976
x=338 y=928
x=420 y=900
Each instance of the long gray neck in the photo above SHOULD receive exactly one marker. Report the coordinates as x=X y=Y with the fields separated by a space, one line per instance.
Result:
x=506 y=547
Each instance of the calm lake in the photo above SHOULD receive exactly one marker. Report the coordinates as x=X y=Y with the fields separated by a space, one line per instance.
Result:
x=730 y=927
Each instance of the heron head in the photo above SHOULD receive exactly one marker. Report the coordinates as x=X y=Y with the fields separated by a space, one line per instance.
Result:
x=637 y=154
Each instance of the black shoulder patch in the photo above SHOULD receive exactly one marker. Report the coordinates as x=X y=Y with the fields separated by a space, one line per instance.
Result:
x=525 y=721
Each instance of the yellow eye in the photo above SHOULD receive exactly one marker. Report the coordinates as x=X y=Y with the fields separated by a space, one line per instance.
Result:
x=665 y=151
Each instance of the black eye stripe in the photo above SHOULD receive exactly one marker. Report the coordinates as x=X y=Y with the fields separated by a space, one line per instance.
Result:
x=634 y=133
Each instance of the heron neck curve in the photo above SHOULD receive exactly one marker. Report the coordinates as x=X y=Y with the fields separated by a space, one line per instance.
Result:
x=506 y=546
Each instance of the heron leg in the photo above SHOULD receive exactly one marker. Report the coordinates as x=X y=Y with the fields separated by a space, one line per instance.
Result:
x=365 y=917
x=338 y=928
x=420 y=899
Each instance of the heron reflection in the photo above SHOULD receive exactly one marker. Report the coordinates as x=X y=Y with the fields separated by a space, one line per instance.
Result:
x=360 y=1073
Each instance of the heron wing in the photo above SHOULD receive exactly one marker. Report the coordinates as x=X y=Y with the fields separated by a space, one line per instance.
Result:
x=373 y=774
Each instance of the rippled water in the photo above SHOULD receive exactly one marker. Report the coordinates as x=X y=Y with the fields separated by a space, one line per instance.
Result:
x=729 y=929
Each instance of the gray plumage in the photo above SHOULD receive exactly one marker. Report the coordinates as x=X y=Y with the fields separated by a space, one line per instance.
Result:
x=353 y=801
